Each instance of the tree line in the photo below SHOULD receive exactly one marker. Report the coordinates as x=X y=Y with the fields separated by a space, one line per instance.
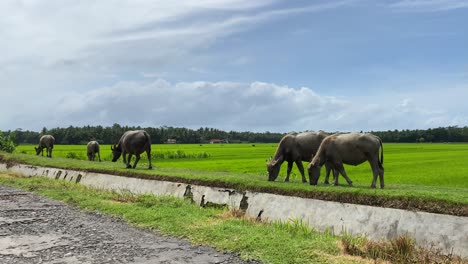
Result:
x=159 y=135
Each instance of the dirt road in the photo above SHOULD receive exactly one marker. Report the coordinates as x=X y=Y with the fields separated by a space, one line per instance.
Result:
x=34 y=229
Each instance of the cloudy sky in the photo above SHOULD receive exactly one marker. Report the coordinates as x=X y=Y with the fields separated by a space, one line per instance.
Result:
x=264 y=65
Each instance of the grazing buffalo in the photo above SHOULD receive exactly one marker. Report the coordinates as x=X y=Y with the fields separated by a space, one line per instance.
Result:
x=295 y=148
x=132 y=143
x=45 y=142
x=92 y=149
x=352 y=149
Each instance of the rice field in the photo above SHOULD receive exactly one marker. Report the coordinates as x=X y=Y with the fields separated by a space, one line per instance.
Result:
x=428 y=177
x=412 y=164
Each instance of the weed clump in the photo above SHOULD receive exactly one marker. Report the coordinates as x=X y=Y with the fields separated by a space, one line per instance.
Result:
x=179 y=154
x=401 y=249
x=74 y=155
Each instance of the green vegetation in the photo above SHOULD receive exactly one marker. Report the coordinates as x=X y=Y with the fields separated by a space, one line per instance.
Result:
x=428 y=177
x=6 y=144
x=270 y=243
x=401 y=249
x=110 y=135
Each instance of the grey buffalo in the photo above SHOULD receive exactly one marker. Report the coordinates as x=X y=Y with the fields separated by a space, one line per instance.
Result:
x=352 y=149
x=132 y=143
x=295 y=148
x=92 y=149
x=45 y=142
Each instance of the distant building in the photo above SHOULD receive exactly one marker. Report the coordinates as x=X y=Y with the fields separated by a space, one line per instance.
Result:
x=171 y=141
x=216 y=141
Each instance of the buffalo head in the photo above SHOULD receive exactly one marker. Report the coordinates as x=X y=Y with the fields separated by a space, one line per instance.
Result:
x=38 y=150
x=116 y=152
x=273 y=168
x=314 y=173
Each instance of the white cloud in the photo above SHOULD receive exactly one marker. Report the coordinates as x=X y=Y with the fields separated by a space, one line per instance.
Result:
x=429 y=5
x=256 y=106
x=48 y=33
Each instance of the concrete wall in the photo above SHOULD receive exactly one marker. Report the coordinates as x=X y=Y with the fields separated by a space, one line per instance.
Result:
x=446 y=232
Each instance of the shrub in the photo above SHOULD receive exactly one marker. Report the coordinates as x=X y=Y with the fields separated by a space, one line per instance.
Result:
x=179 y=154
x=6 y=144
x=73 y=155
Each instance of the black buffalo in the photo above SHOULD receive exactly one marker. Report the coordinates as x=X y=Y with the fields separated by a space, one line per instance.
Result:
x=352 y=149
x=295 y=148
x=45 y=142
x=92 y=149
x=132 y=143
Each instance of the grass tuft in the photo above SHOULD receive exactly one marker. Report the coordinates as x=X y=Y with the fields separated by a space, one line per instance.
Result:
x=401 y=249
x=234 y=213
x=124 y=196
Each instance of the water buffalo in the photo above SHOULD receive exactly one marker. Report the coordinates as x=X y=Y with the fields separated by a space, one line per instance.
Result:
x=295 y=148
x=132 y=143
x=45 y=142
x=352 y=149
x=92 y=149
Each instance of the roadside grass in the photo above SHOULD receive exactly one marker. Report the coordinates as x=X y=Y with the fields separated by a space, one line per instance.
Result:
x=270 y=243
x=438 y=168
x=401 y=249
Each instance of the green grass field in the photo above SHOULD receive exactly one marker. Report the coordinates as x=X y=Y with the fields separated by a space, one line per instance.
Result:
x=421 y=172
x=416 y=164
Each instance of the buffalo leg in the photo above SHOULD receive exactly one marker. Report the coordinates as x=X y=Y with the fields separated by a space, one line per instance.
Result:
x=301 y=169
x=335 y=177
x=327 y=174
x=341 y=170
x=290 y=164
x=127 y=164
x=136 y=160
x=376 y=170
x=374 y=176
x=381 y=175
x=381 y=178
x=129 y=160
x=148 y=153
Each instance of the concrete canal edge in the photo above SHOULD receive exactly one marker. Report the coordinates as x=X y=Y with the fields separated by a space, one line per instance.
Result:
x=446 y=232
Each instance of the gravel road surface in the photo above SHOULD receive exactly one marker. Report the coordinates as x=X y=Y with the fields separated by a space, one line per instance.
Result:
x=34 y=229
